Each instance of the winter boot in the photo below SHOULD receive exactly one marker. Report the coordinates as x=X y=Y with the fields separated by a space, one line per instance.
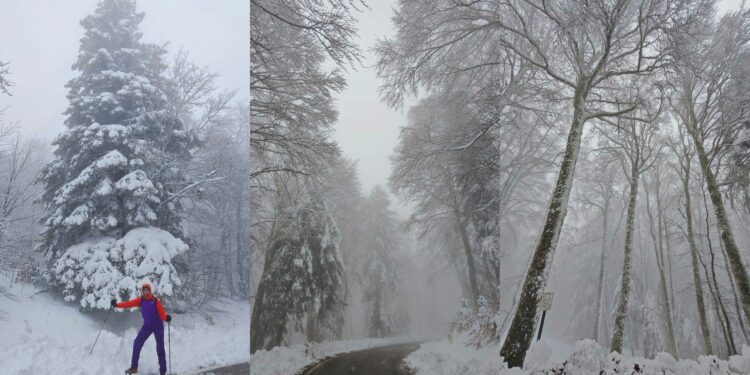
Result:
x=131 y=370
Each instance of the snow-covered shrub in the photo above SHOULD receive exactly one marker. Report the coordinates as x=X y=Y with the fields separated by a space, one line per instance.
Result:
x=478 y=326
x=103 y=268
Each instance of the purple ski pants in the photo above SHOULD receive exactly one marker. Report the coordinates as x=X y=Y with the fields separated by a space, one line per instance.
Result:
x=145 y=332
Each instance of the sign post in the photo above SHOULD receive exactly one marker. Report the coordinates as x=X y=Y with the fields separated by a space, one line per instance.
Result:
x=545 y=304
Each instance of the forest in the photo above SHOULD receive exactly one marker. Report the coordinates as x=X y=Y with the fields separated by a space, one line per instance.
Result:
x=630 y=119
x=434 y=187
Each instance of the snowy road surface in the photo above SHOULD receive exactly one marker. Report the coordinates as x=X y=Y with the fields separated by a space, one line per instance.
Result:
x=384 y=360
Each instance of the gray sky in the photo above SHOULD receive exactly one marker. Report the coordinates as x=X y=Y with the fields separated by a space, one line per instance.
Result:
x=367 y=130
x=40 y=38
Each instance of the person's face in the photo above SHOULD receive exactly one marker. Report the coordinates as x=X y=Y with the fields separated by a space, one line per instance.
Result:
x=146 y=292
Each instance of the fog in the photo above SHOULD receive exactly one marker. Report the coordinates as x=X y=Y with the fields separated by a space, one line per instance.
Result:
x=41 y=40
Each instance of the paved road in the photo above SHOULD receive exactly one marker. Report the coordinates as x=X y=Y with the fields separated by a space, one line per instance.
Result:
x=238 y=369
x=384 y=360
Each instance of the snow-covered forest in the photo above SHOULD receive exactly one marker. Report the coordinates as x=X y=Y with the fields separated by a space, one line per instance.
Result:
x=375 y=187
x=139 y=176
x=597 y=150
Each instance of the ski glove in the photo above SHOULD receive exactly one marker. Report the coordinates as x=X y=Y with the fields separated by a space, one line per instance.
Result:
x=169 y=318
x=114 y=302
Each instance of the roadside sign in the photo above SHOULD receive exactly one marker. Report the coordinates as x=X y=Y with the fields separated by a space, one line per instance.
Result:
x=545 y=304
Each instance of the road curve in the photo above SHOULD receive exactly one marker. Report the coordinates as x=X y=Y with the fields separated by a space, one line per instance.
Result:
x=384 y=360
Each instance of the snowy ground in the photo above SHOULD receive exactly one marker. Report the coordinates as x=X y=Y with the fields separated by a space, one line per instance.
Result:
x=44 y=335
x=555 y=357
x=290 y=360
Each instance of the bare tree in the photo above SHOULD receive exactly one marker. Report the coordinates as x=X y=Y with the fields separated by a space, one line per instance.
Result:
x=636 y=144
x=464 y=177
x=663 y=262
x=700 y=103
x=685 y=154
x=585 y=47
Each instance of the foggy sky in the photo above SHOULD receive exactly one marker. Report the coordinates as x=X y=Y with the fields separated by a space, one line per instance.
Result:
x=367 y=130
x=40 y=39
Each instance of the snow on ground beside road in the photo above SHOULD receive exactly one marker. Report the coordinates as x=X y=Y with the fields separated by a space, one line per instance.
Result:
x=585 y=358
x=44 y=335
x=290 y=360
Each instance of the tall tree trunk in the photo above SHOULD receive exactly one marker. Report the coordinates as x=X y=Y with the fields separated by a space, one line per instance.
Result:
x=257 y=341
x=707 y=347
x=738 y=310
x=661 y=265
x=729 y=336
x=600 y=286
x=469 y=259
x=311 y=327
x=725 y=231
x=376 y=319
x=622 y=306
x=521 y=331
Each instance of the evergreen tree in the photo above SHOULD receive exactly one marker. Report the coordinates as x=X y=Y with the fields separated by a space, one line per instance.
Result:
x=380 y=273
x=303 y=278
x=110 y=193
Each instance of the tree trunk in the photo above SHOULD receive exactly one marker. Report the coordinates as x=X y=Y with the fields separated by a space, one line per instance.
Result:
x=242 y=276
x=727 y=325
x=257 y=340
x=376 y=319
x=622 y=306
x=738 y=310
x=311 y=332
x=707 y=347
x=469 y=260
x=725 y=231
x=521 y=331
x=661 y=266
x=600 y=286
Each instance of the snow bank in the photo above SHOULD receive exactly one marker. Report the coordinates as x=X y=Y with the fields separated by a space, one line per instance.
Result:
x=586 y=358
x=290 y=360
x=47 y=336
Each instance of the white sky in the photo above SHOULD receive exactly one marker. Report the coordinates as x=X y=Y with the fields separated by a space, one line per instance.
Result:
x=40 y=38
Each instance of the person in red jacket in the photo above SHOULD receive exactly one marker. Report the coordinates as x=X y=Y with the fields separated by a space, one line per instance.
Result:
x=154 y=315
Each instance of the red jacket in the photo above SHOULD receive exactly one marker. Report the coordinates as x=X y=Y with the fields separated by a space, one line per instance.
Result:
x=137 y=303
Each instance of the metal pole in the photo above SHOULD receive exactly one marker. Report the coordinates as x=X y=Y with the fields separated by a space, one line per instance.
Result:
x=541 y=325
x=100 y=331
x=169 y=339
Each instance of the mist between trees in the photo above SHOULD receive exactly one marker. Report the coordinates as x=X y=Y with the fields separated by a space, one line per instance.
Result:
x=627 y=118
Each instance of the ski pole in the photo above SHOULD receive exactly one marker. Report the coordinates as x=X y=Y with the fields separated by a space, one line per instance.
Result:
x=169 y=340
x=100 y=331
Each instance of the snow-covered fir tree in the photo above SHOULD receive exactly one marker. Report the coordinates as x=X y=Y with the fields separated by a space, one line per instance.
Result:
x=303 y=278
x=380 y=272
x=112 y=209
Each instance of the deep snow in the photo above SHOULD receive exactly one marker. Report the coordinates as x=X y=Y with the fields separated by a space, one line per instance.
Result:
x=45 y=335
x=585 y=357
